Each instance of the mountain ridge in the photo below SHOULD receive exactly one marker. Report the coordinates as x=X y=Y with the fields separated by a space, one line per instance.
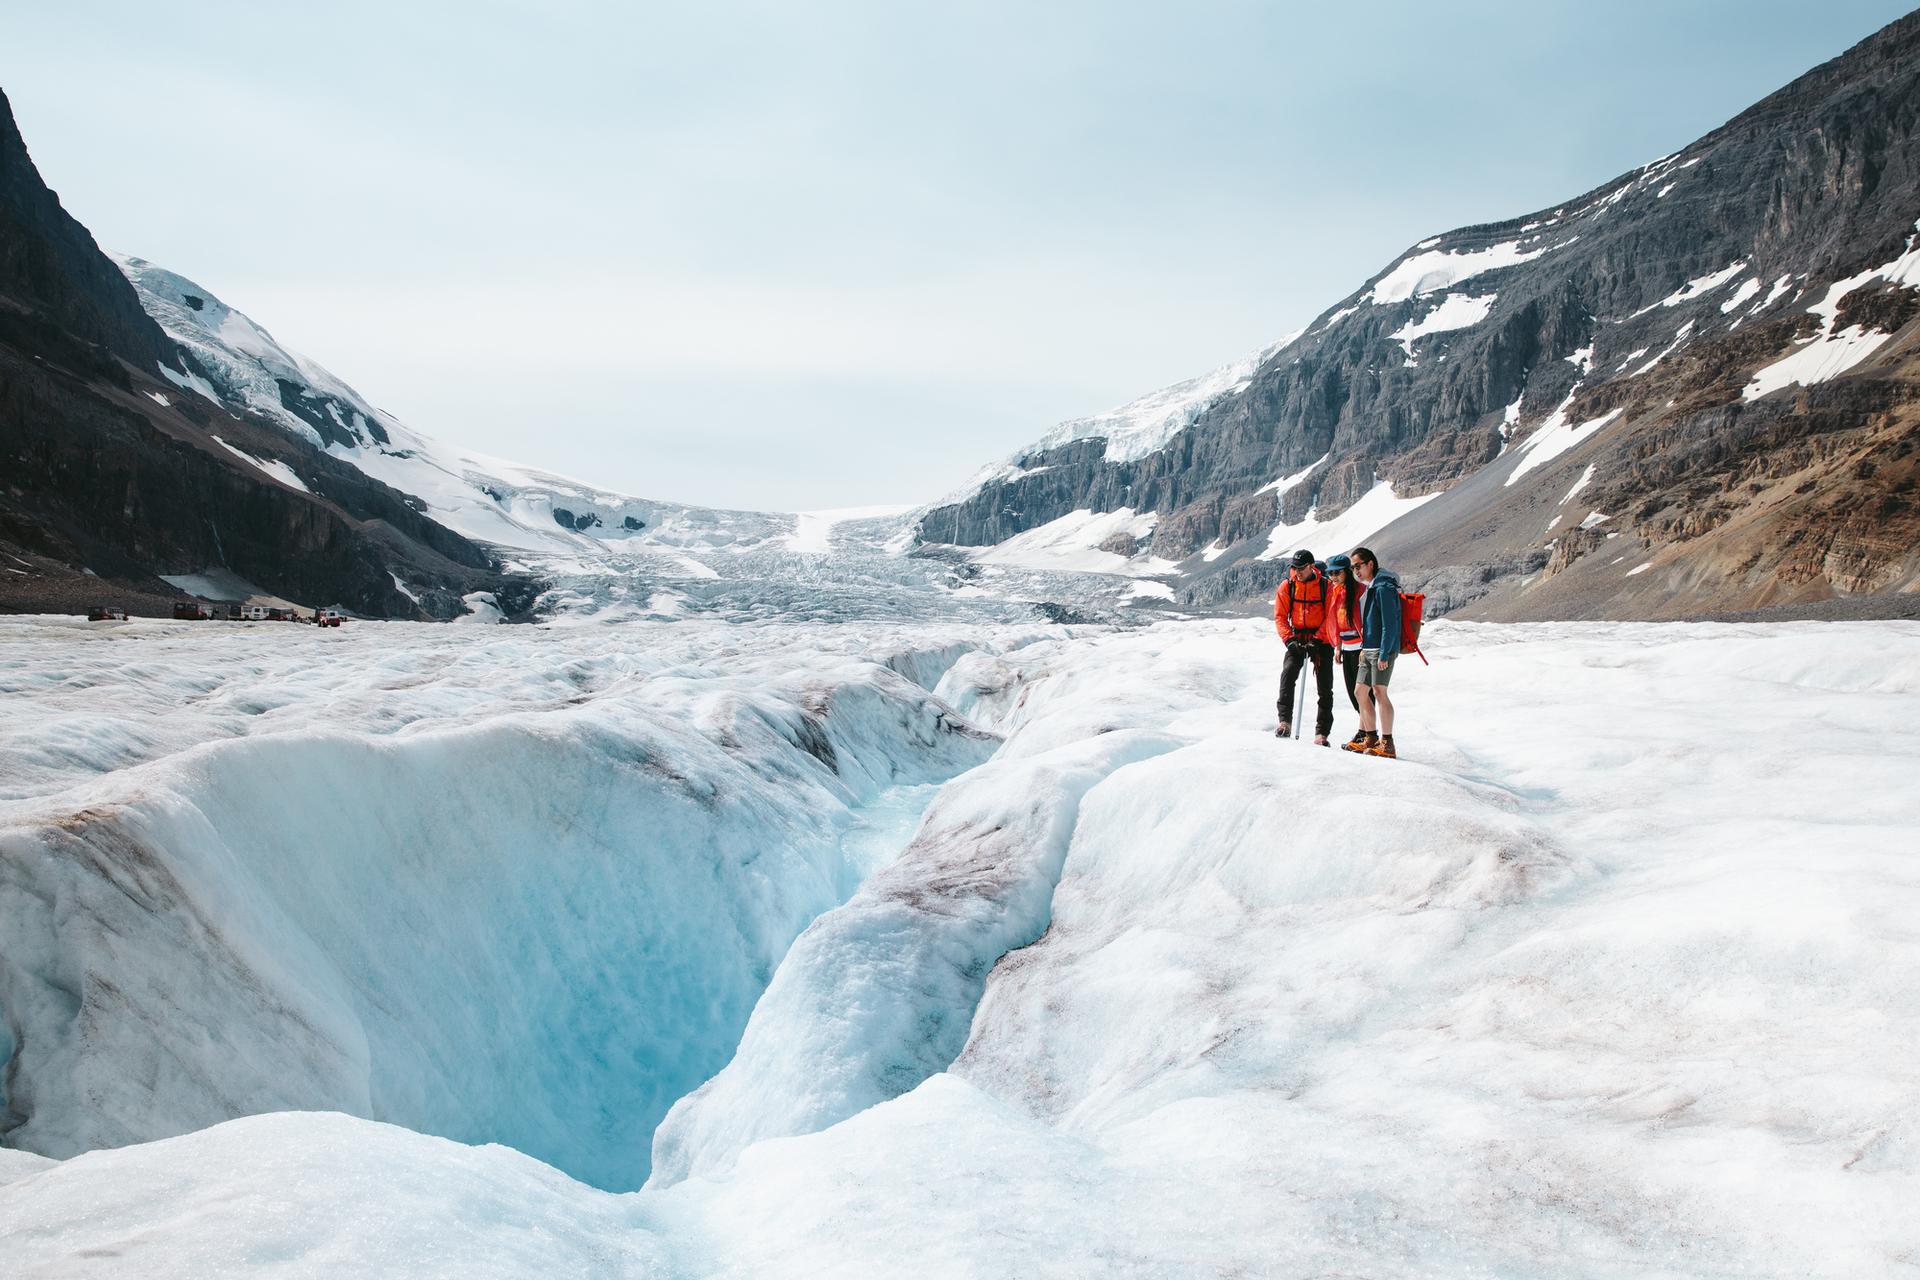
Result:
x=117 y=477
x=1388 y=393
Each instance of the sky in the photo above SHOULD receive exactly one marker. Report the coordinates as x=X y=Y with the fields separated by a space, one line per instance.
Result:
x=805 y=255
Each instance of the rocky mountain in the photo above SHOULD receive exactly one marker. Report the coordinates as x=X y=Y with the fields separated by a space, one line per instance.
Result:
x=115 y=476
x=1691 y=389
x=534 y=517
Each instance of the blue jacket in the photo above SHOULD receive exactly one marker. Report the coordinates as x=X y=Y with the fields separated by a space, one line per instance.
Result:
x=1380 y=616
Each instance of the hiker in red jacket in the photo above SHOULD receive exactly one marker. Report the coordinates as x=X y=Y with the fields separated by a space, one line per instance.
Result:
x=1343 y=607
x=1303 y=619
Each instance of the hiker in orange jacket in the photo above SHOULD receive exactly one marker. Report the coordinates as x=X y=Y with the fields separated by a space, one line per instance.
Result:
x=1301 y=616
x=1343 y=613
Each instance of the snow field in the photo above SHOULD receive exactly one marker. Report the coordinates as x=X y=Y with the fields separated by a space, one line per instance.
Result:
x=1613 y=973
x=1577 y=988
x=1071 y=544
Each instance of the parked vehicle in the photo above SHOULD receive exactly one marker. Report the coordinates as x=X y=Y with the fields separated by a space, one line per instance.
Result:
x=329 y=617
x=192 y=610
x=257 y=612
x=106 y=613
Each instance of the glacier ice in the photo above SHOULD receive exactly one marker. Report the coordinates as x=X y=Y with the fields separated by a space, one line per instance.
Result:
x=1610 y=974
x=537 y=921
x=877 y=995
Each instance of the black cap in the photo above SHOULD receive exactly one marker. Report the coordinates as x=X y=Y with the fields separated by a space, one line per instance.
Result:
x=1301 y=559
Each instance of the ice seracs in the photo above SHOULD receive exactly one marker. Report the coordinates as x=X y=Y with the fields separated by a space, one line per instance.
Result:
x=1139 y=427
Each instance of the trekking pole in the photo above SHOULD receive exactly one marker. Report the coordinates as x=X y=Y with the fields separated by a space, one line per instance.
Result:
x=1300 y=701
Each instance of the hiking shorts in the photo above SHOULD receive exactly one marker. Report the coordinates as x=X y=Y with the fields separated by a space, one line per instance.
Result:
x=1371 y=672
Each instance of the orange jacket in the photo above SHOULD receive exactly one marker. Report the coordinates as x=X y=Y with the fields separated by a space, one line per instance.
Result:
x=1345 y=635
x=1294 y=618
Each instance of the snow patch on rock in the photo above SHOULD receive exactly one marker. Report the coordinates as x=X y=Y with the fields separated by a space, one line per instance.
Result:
x=1376 y=509
x=1436 y=269
x=1456 y=311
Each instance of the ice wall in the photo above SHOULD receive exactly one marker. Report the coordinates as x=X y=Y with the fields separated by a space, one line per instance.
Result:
x=879 y=994
x=537 y=928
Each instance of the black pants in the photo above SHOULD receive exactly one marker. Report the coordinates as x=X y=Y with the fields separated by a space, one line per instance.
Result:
x=1350 y=665
x=1322 y=654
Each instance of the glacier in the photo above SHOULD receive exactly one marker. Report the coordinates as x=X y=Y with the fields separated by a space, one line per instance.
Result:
x=968 y=948
x=525 y=889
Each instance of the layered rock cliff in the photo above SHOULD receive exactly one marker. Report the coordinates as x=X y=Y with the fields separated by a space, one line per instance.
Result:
x=1708 y=359
x=113 y=472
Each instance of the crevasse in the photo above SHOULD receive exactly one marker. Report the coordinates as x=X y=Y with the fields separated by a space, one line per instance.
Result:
x=538 y=928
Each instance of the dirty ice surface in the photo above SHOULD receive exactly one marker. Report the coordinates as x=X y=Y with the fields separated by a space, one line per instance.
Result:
x=1614 y=972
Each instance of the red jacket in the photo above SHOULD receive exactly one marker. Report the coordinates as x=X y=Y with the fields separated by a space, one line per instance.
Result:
x=1345 y=635
x=1303 y=610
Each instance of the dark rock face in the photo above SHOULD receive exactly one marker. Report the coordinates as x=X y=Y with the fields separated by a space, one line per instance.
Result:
x=109 y=480
x=53 y=274
x=1659 y=295
x=107 y=471
x=322 y=412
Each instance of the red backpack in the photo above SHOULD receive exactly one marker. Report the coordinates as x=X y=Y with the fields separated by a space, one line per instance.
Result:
x=1412 y=605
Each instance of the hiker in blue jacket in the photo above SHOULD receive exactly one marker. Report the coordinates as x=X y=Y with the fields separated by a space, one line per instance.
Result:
x=1379 y=646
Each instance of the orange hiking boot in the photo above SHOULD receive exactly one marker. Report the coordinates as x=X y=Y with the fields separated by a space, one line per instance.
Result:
x=1359 y=742
x=1384 y=747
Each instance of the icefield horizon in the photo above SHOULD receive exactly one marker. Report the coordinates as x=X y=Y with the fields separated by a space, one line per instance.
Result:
x=979 y=947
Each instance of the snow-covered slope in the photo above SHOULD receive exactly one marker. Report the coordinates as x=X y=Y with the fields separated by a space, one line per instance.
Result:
x=237 y=363
x=608 y=556
x=1608 y=975
x=1136 y=428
